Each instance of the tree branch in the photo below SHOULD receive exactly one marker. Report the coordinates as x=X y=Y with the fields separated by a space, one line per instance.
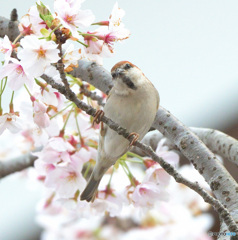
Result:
x=217 y=141
x=91 y=95
x=9 y=27
x=20 y=163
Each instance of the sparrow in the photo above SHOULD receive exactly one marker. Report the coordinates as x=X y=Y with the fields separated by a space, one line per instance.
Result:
x=132 y=103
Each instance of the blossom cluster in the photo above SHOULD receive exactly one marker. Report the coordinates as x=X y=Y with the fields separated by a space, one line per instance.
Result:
x=38 y=52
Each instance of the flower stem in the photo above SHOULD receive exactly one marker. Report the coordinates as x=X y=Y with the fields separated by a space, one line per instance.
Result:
x=77 y=124
x=20 y=35
x=131 y=154
x=61 y=111
x=127 y=171
x=27 y=90
x=2 y=88
x=66 y=121
x=109 y=182
x=85 y=45
x=55 y=29
x=11 y=103
x=3 y=85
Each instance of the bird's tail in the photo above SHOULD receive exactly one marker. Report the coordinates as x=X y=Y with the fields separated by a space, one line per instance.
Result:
x=89 y=193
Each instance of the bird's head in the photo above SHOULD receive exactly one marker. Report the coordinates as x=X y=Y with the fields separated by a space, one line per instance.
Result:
x=127 y=75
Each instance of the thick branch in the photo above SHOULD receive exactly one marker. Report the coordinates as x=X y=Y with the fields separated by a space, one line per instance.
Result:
x=17 y=164
x=9 y=27
x=219 y=143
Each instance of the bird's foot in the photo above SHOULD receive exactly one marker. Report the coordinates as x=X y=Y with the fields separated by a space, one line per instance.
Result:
x=135 y=138
x=98 y=116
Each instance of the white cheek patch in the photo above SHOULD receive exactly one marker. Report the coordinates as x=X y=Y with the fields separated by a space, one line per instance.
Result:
x=136 y=73
x=120 y=88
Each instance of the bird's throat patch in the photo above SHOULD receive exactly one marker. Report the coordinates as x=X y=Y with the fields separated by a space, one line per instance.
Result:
x=128 y=82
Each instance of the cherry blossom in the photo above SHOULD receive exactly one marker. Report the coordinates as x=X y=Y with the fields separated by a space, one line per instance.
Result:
x=47 y=95
x=157 y=175
x=74 y=3
x=37 y=55
x=72 y=17
x=100 y=42
x=6 y=48
x=147 y=194
x=116 y=26
x=10 y=121
x=31 y=23
x=52 y=72
x=66 y=180
x=169 y=156
x=56 y=150
x=35 y=20
x=25 y=26
x=17 y=77
x=40 y=116
x=70 y=55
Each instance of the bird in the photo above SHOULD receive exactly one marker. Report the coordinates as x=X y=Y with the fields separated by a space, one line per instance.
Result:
x=132 y=103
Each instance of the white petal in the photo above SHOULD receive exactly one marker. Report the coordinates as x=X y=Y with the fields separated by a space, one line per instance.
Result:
x=84 y=18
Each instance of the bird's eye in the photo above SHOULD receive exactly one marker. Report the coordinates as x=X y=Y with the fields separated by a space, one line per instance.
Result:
x=127 y=66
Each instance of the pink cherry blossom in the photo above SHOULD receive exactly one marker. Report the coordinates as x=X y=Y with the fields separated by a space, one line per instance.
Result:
x=169 y=156
x=40 y=116
x=43 y=168
x=66 y=180
x=55 y=151
x=82 y=154
x=47 y=96
x=10 y=121
x=17 y=77
x=70 y=55
x=6 y=48
x=157 y=175
x=35 y=20
x=52 y=72
x=74 y=3
x=37 y=55
x=31 y=23
x=147 y=194
x=101 y=43
x=97 y=49
x=25 y=26
x=72 y=17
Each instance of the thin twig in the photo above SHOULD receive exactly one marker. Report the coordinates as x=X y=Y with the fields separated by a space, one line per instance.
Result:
x=60 y=64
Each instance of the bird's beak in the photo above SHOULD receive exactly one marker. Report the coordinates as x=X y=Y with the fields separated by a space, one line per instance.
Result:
x=117 y=72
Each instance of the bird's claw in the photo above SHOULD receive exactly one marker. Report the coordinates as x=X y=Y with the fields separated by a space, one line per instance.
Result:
x=98 y=116
x=135 y=138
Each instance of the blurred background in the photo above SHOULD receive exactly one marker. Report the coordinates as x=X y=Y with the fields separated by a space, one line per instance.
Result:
x=187 y=48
